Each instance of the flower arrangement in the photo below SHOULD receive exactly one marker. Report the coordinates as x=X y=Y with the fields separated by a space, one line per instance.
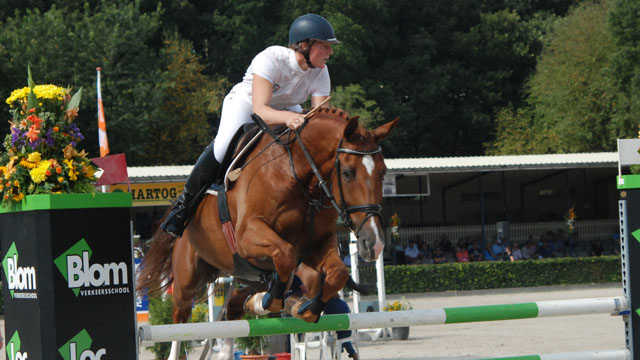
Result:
x=399 y=305
x=41 y=155
x=571 y=218
x=395 y=220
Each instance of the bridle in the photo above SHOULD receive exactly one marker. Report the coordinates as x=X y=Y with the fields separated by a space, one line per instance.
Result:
x=342 y=209
x=369 y=209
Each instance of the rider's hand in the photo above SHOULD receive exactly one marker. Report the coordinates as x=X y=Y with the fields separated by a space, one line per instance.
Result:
x=294 y=120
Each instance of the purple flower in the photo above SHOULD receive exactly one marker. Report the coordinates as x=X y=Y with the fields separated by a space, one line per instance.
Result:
x=35 y=144
x=48 y=139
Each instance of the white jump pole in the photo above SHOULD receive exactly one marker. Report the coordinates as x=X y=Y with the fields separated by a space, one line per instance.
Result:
x=373 y=320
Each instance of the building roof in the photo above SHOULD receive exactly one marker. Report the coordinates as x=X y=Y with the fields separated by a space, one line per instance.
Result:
x=507 y=162
x=430 y=165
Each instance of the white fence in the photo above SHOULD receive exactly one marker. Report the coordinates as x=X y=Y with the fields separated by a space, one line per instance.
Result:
x=587 y=231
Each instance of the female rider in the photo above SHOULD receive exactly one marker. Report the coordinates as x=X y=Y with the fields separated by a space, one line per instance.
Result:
x=276 y=82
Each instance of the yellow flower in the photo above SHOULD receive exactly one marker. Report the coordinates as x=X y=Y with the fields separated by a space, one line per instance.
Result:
x=73 y=174
x=28 y=164
x=41 y=91
x=60 y=179
x=398 y=306
x=34 y=157
x=38 y=174
x=88 y=171
x=18 y=197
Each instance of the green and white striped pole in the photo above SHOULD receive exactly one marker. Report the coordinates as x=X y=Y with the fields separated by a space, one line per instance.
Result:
x=375 y=320
x=585 y=355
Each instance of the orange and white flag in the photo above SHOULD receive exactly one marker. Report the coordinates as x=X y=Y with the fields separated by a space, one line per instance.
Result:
x=102 y=125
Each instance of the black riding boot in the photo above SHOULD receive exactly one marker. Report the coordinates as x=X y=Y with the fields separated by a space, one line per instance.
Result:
x=203 y=175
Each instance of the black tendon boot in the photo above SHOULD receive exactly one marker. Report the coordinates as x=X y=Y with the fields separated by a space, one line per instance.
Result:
x=203 y=174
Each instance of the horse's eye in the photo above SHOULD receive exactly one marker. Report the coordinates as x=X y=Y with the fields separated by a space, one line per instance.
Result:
x=347 y=174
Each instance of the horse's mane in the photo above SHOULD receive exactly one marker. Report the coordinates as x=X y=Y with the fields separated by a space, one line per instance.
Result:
x=335 y=114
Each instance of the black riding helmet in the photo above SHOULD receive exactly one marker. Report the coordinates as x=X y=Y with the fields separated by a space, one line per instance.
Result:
x=310 y=27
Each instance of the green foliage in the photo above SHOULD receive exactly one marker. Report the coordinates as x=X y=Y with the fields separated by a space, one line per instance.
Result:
x=160 y=310
x=445 y=67
x=573 y=105
x=182 y=127
x=352 y=98
x=501 y=274
x=625 y=28
x=252 y=345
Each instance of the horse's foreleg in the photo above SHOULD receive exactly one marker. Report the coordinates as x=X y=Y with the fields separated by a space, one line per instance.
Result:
x=259 y=241
x=335 y=277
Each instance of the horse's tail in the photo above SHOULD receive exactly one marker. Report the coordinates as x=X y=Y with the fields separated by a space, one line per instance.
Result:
x=155 y=270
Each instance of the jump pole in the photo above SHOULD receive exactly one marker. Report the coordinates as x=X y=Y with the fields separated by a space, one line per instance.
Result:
x=372 y=320
x=583 y=355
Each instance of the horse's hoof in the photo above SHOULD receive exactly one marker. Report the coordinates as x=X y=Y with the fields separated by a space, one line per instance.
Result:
x=253 y=305
x=309 y=317
x=271 y=303
x=276 y=305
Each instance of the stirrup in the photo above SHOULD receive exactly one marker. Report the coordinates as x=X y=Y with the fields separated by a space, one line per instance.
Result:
x=174 y=224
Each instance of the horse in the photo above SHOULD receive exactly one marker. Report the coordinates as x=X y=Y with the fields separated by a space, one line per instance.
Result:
x=285 y=213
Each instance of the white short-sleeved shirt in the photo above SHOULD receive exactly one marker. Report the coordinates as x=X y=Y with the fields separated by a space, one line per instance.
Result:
x=291 y=85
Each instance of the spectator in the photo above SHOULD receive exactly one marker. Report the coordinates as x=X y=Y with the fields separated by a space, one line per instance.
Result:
x=558 y=244
x=438 y=256
x=597 y=248
x=545 y=249
x=425 y=253
x=508 y=255
x=398 y=253
x=445 y=244
x=487 y=253
x=462 y=254
x=516 y=253
x=347 y=260
x=411 y=252
x=529 y=251
x=475 y=252
x=498 y=250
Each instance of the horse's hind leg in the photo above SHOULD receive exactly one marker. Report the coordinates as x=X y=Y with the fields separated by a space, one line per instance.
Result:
x=190 y=273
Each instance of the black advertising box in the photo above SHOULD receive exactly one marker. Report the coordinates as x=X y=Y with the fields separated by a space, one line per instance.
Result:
x=68 y=280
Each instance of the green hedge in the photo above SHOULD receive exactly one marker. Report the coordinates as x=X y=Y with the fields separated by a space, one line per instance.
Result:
x=501 y=274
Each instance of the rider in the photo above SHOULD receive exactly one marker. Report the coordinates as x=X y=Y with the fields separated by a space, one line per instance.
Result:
x=276 y=82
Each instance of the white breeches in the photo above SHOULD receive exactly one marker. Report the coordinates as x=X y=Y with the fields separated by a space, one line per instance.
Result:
x=235 y=113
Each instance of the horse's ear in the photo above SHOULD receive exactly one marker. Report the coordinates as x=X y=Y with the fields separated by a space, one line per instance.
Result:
x=382 y=131
x=351 y=127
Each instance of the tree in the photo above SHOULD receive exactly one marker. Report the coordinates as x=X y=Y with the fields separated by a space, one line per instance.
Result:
x=625 y=28
x=184 y=127
x=572 y=96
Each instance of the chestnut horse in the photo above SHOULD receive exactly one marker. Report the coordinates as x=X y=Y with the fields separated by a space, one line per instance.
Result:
x=284 y=213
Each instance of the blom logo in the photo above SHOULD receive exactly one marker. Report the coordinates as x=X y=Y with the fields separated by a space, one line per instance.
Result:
x=20 y=279
x=79 y=348
x=76 y=268
x=13 y=348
